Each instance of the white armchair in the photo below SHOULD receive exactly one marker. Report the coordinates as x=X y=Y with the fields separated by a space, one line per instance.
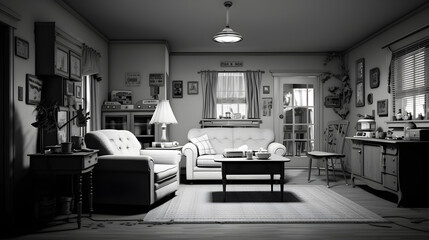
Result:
x=126 y=174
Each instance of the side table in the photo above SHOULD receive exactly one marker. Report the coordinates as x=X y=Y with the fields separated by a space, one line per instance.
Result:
x=78 y=163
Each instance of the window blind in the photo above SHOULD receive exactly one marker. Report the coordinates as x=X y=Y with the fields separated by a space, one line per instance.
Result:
x=410 y=75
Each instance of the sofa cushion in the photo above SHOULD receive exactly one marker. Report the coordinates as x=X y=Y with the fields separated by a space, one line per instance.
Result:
x=208 y=161
x=203 y=144
x=164 y=171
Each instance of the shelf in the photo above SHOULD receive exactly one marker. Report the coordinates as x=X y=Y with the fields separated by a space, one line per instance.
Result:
x=400 y=124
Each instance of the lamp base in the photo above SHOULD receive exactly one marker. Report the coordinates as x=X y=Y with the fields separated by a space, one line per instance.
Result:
x=163 y=133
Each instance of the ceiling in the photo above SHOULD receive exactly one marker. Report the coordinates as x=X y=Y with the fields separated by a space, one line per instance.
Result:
x=266 y=25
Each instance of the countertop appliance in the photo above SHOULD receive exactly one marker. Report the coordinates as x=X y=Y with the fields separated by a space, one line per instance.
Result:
x=366 y=127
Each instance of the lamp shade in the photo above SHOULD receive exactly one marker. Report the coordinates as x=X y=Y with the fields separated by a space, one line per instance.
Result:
x=227 y=36
x=163 y=114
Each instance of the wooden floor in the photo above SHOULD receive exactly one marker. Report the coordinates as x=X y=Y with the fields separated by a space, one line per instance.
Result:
x=406 y=223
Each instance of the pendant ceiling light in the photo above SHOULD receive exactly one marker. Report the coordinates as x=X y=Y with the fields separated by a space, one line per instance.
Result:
x=227 y=35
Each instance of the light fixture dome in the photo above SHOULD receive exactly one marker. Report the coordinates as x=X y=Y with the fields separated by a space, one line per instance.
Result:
x=227 y=35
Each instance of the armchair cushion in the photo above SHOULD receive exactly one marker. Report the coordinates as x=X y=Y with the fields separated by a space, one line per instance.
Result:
x=203 y=144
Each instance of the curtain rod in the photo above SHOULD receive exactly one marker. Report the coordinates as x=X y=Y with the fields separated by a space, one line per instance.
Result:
x=407 y=35
x=231 y=71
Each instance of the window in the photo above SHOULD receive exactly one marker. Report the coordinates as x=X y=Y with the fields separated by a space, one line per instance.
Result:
x=411 y=79
x=231 y=94
x=86 y=98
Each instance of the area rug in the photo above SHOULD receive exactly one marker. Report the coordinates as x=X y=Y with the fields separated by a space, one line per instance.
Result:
x=257 y=204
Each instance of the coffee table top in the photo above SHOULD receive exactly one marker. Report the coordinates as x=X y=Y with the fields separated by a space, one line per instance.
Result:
x=272 y=158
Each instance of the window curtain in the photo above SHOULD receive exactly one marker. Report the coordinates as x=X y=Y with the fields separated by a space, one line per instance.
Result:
x=209 y=86
x=91 y=68
x=253 y=81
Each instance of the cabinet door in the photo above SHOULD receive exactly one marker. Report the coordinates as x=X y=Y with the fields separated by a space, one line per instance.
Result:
x=116 y=120
x=141 y=128
x=75 y=66
x=61 y=61
x=372 y=162
x=356 y=159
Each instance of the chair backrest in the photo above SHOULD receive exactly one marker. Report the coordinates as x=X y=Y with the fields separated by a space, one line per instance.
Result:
x=335 y=135
x=113 y=142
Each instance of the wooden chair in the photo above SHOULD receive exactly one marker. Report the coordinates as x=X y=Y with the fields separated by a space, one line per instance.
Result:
x=334 y=137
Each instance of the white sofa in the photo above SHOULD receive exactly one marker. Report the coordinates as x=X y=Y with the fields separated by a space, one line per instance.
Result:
x=203 y=167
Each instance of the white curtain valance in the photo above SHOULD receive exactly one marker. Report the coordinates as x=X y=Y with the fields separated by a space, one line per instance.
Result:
x=90 y=61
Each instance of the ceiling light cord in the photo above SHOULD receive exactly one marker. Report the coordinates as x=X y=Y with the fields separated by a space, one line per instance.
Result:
x=227 y=5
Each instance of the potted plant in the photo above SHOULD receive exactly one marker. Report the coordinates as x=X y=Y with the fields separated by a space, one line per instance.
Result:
x=46 y=120
x=379 y=133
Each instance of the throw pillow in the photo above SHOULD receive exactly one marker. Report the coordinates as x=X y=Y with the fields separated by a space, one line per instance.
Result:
x=203 y=144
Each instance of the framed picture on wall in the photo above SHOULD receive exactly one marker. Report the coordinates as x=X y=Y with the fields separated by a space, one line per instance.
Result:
x=69 y=88
x=374 y=78
x=360 y=82
x=21 y=48
x=382 y=107
x=177 y=89
x=63 y=130
x=193 y=88
x=266 y=89
x=78 y=90
x=33 y=89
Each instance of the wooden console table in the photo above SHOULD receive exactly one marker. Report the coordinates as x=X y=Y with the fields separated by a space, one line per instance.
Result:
x=396 y=166
x=68 y=164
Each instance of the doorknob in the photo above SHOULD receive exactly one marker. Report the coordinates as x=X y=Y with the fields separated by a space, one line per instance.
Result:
x=281 y=116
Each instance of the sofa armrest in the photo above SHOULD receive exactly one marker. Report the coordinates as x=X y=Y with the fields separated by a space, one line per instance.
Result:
x=120 y=163
x=191 y=153
x=277 y=148
x=163 y=156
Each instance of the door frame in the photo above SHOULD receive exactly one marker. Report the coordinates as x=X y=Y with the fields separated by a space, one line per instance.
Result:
x=318 y=108
x=7 y=131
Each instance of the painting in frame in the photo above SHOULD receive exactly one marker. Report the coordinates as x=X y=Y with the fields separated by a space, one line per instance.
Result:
x=360 y=82
x=382 y=107
x=192 y=87
x=63 y=130
x=33 y=89
x=374 y=78
x=78 y=90
x=22 y=48
x=177 y=88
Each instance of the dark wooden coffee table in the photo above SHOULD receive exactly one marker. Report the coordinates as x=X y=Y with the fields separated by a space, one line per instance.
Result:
x=242 y=166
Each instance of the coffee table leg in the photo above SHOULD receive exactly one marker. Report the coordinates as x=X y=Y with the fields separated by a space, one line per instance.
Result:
x=282 y=182
x=272 y=182
x=224 y=182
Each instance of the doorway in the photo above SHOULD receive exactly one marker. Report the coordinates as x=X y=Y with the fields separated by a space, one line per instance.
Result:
x=297 y=116
x=6 y=140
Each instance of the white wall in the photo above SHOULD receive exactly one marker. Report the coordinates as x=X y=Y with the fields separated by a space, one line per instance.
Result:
x=188 y=110
x=375 y=56
x=141 y=57
x=32 y=11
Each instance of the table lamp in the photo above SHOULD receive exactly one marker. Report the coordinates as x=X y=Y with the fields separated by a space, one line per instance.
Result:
x=163 y=115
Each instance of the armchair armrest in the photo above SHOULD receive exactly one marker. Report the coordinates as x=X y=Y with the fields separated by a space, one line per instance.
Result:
x=191 y=153
x=277 y=148
x=163 y=156
x=120 y=163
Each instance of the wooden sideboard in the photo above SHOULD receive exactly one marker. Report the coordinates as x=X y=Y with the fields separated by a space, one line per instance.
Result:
x=396 y=166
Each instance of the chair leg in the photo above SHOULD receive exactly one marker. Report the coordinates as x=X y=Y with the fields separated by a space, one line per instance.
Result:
x=309 y=168
x=327 y=172
x=344 y=172
x=333 y=167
